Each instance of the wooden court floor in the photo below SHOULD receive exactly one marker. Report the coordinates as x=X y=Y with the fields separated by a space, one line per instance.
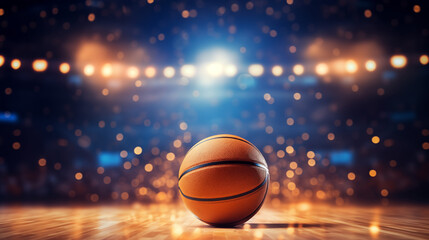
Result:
x=300 y=221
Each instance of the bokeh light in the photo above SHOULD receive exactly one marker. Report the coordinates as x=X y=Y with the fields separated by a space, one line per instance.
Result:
x=150 y=72
x=40 y=65
x=398 y=61
x=214 y=69
x=256 y=70
x=230 y=70
x=322 y=69
x=188 y=70
x=107 y=70
x=351 y=66
x=370 y=65
x=424 y=60
x=15 y=64
x=169 y=72
x=2 y=60
x=298 y=69
x=64 y=68
x=277 y=70
x=133 y=72
x=89 y=70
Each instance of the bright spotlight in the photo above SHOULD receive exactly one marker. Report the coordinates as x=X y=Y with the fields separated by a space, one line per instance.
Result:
x=107 y=70
x=150 y=72
x=216 y=66
x=169 y=72
x=214 y=69
x=256 y=70
x=188 y=70
x=230 y=70
x=398 y=61
x=133 y=72
x=370 y=65
x=277 y=70
x=40 y=65
x=89 y=70
x=351 y=66
x=322 y=69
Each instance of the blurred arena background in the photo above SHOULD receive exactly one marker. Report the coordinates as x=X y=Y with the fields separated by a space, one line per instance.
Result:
x=100 y=100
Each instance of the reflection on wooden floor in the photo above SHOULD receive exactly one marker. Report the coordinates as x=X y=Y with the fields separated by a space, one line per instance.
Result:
x=302 y=221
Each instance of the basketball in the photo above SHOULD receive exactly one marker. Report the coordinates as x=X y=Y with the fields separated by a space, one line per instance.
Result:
x=223 y=180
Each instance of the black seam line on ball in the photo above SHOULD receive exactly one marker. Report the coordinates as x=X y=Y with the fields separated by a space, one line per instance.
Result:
x=239 y=139
x=250 y=215
x=226 y=198
x=221 y=163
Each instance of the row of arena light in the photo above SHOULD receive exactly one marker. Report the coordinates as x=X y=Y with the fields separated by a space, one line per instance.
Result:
x=218 y=69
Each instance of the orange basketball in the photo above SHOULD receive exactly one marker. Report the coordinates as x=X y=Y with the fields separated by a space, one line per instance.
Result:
x=223 y=180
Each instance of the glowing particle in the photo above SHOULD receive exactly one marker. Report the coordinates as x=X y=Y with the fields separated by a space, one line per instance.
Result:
x=297 y=96
x=311 y=154
x=119 y=137
x=64 y=68
x=177 y=143
x=91 y=17
x=78 y=176
x=277 y=70
x=133 y=72
x=367 y=13
x=105 y=92
x=100 y=170
x=40 y=65
x=2 y=60
x=351 y=66
x=398 y=61
x=298 y=69
x=169 y=72
x=322 y=69
x=289 y=149
x=417 y=8
x=150 y=72
x=185 y=13
x=107 y=70
x=370 y=65
x=230 y=70
x=16 y=145
x=15 y=64
x=148 y=167
x=123 y=154
x=42 y=162
x=170 y=156
x=138 y=150
x=188 y=70
x=424 y=59
x=256 y=70
x=89 y=70
x=375 y=140
x=183 y=126
x=372 y=173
